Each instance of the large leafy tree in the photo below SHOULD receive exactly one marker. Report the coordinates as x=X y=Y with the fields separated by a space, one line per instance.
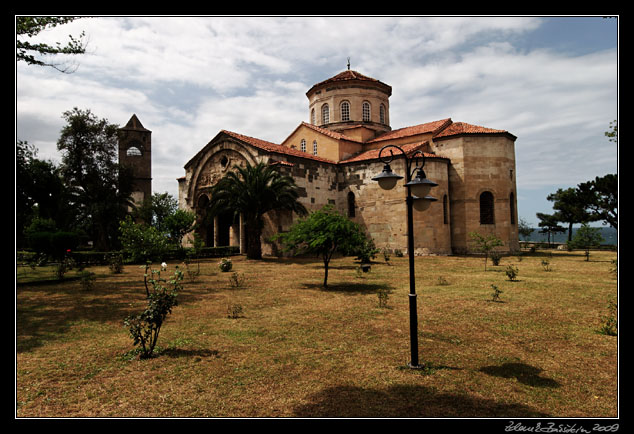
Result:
x=570 y=207
x=324 y=232
x=100 y=188
x=40 y=192
x=601 y=197
x=253 y=191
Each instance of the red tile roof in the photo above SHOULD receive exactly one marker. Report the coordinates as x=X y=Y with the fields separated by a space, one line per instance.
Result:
x=279 y=149
x=373 y=154
x=429 y=127
x=464 y=128
x=350 y=75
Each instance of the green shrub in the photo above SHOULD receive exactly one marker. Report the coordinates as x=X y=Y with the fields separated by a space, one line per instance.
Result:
x=144 y=327
x=511 y=272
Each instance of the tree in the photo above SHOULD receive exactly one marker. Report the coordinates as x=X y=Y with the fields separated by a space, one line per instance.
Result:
x=524 y=229
x=549 y=224
x=324 y=233
x=40 y=192
x=28 y=27
x=178 y=224
x=99 y=188
x=570 y=207
x=601 y=197
x=485 y=244
x=141 y=242
x=613 y=133
x=253 y=191
x=586 y=238
x=155 y=209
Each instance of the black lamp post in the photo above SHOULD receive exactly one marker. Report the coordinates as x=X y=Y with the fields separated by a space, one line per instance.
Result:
x=417 y=198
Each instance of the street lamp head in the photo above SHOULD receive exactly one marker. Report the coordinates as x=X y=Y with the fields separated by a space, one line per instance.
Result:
x=420 y=186
x=422 y=203
x=387 y=179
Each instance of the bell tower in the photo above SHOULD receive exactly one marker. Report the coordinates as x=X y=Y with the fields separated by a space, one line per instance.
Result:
x=135 y=152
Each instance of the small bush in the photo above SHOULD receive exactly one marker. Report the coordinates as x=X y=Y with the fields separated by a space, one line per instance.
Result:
x=512 y=272
x=546 y=265
x=442 y=281
x=237 y=280
x=87 y=280
x=383 y=295
x=144 y=327
x=610 y=326
x=496 y=257
x=115 y=263
x=234 y=311
x=225 y=265
x=496 y=293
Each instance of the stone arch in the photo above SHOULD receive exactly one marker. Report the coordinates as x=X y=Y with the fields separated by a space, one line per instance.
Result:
x=216 y=151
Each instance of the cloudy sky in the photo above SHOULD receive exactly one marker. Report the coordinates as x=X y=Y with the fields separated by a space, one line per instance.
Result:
x=550 y=81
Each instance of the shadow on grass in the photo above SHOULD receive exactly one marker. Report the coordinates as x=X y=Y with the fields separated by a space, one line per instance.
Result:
x=406 y=401
x=46 y=312
x=525 y=374
x=348 y=287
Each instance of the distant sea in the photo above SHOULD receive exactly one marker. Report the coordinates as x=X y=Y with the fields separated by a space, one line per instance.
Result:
x=609 y=234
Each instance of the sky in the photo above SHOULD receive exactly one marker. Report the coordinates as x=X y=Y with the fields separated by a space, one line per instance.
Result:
x=551 y=81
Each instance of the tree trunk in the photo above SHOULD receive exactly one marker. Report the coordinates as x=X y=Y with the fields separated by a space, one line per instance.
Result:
x=254 y=248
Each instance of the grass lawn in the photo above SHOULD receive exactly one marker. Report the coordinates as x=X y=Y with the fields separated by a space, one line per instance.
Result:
x=299 y=350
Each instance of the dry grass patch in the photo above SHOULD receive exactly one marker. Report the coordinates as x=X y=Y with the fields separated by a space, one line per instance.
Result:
x=297 y=350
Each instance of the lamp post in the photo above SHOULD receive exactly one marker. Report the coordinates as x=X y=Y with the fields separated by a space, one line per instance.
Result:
x=417 y=198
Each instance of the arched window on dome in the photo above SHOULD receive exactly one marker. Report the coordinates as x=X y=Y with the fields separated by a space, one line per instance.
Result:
x=382 y=113
x=325 y=114
x=366 y=111
x=345 y=111
x=312 y=116
x=487 y=216
x=133 y=151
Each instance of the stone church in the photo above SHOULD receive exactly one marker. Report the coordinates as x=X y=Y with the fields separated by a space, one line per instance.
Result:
x=335 y=155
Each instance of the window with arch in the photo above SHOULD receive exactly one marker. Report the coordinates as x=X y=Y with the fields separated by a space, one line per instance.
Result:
x=445 y=210
x=312 y=116
x=345 y=111
x=351 y=205
x=133 y=151
x=302 y=145
x=366 y=111
x=512 y=207
x=382 y=113
x=325 y=114
x=315 y=147
x=486 y=208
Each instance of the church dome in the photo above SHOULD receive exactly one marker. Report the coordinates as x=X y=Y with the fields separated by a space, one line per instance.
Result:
x=350 y=99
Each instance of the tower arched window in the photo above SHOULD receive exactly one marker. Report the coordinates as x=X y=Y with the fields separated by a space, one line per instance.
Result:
x=445 y=210
x=133 y=151
x=487 y=216
x=302 y=145
x=312 y=116
x=351 y=205
x=512 y=207
x=366 y=111
x=325 y=114
x=345 y=111
x=382 y=113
